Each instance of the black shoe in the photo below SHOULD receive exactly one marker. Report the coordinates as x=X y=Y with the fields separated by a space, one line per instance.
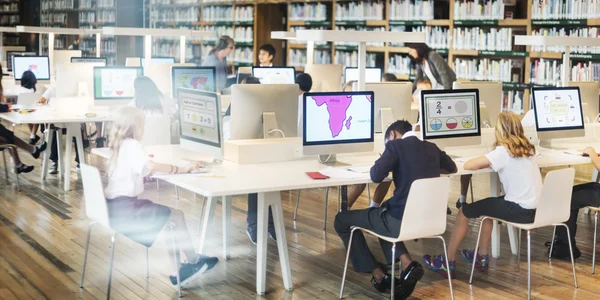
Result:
x=53 y=168
x=384 y=285
x=408 y=280
x=34 y=140
x=458 y=204
x=561 y=250
x=251 y=231
x=24 y=169
x=448 y=211
x=38 y=150
x=100 y=143
x=85 y=143
x=272 y=233
x=188 y=272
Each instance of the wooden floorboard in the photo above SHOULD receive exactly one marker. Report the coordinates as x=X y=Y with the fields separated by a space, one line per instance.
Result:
x=43 y=231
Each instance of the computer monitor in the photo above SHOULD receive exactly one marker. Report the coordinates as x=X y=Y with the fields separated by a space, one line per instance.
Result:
x=325 y=78
x=159 y=60
x=558 y=112
x=11 y=54
x=256 y=110
x=64 y=56
x=393 y=103
x=76 y=80
x=371 y=74
x=200 y=122
x=490 y=94
x=5 y=49
x=197 y=78
x=242 y=73
x=89 y=60
x=338 y=122
x=39 y=65
x=114 y=85
x=161 y=75
x=589 y=91
x=275 y=75
x=451 y=117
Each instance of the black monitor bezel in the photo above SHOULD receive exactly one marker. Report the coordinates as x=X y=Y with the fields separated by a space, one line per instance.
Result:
x=457 y=91
x=218 y=119
x=173 y=68
x=259 y=67
x=554 y=88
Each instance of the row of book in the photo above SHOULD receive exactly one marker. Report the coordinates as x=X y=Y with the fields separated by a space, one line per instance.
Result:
x=546 y=72
x=479 y=10
x=10 y=7
x=593 y=32
x=359 y=11
x=513 y=100
x=437 y=37
x=399 y=64
x=565 y=9
x=297 y=57
x=190 y=14
x=475 y=38
x=589 y=71
x=57 y=4
x=228 y=13
x=243 y=55
x=59 y=18
x=172 y=50
x=107 y=16
x=350 y=59
x=411 y=10
x=218 y=32
x=308 y=12
x=87 y=17
x=294 y=28
x=96 y=3
x=483 y=69
x=243 y=34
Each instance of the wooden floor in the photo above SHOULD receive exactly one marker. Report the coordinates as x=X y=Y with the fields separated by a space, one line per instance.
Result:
x=43 y=230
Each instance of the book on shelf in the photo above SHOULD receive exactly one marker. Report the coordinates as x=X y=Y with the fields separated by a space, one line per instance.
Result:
x=399 y=64
x=350 y=58
x=512 y=100
x=436 y=37
x=476 y=38
x=360 y=28
x=57 y=4
x=359 y=11
x=564 y=9
x=589 y=71
x=308 y=12
x=295 y=28
x=297 y=57
x=410 y=10
x=217 y=13
x=479 y=10
x=546 y=72
x=483 y=69
x=591 y=32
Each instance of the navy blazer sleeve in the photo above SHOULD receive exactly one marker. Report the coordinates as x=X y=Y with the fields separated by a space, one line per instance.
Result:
x=446 y=163
x=3 y=108
x=385 y=164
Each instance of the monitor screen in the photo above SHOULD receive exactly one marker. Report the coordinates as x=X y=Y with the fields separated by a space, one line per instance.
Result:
x=115 y=83
x=39 y=65
x=199 y=115
x=159 y=60
x=450 y=113
x=557 y=108
x=197 y=78
x=11 y=54
x=371 y=74
x=338 y=118
x=271 y=75
x=88 y=60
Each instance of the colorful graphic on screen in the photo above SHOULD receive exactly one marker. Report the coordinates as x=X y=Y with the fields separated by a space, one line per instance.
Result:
x=338 y=117
x=450 y=114
x=196 y=78
x=199 y=117
x=115 y=83
x=37 y=64
x=558 y=108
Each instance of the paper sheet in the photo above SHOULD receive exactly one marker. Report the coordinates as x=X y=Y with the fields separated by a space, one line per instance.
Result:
x=341 y=173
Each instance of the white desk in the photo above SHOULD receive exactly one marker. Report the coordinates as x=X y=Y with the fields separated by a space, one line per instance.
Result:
x=70 y=121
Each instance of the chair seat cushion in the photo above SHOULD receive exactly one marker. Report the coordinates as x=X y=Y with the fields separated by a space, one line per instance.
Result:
x=137 y=219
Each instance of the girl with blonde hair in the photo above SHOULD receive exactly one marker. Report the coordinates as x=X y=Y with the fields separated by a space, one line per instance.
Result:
x=142 y=220
x=514 y=160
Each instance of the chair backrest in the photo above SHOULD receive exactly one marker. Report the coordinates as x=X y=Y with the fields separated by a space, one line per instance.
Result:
x=28 y=100
x=554 y=203
x=157 y=130
x=95 y=202
x=425 y=211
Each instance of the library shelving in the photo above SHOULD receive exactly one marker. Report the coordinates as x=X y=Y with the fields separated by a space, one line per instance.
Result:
x=10 y=15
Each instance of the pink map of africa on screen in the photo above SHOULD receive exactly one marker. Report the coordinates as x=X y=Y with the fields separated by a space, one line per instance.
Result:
x=337 y=106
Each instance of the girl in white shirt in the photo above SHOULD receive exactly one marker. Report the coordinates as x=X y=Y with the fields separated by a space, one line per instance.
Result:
x=138 y=219
x=514 y=160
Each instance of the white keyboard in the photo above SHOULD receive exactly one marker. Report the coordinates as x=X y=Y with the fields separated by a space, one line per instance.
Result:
x=360 y=169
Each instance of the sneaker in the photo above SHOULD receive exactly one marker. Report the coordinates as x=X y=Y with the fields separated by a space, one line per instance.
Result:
x=384 y=285
x=100 y=143
x=252 y=234
x=561 y=250
x=458 y=204
x=54 y=168
x=38 y=150
x=24 y=169
x=78 y=167
x=437 y=263
x=34 y=140
x=188 y=272
x=482 y=263
x=408 y=280
x=448 y=211
x=272 y=233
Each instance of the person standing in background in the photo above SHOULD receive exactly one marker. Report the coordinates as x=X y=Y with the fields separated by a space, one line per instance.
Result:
x=432 y=66
x=218 y=58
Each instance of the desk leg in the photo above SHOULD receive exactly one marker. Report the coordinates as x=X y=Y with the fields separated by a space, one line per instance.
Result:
x=272 y=199
x=59 y=152
x=46 y=155
x=226 y=205
x=209 y=212
x=495 y=189
x=594 y=179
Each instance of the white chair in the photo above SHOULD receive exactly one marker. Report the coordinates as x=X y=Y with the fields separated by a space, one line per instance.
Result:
x=595 y=210
x=553 y=208
x=97 y=211
x=28 y=100
x=157 y=130
x=424 y=216
x=4 y=148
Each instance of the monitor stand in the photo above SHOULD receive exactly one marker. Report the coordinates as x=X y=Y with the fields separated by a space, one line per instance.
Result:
x=270 y=128
x=331 y=160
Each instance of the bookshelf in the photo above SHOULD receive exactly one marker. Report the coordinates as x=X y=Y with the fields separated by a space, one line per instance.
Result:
x=10 y=16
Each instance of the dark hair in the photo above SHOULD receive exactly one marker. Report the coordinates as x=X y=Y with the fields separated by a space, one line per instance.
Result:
x=401 y=126
x=304 y=81
x=250 y=80
x=28 y=80
x=147 y=95
x=222 y=44
x=389 y=77
x=422 y=50
x=268 y=48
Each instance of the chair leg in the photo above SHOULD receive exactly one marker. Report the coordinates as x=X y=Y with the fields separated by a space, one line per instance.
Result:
x=87 y=244
x=476 y=248
x=177 y=262
x=201 y=212
x=392 y=289
x=472 y=192
x=369 y=192
x=571 y=251
x=519 y=252
x=157 y=185
x=177 y=192
x=595 y=235
x=297 y=203
x=528 y=264
x=326 y=206
x=346 y=264
x=110 y=266
x=147 y=264
x=552 y=244
x=5 y=166
x=18 y=182
x=447 y=267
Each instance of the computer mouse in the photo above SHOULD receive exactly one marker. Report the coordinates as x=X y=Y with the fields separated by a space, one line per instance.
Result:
x=585 y=155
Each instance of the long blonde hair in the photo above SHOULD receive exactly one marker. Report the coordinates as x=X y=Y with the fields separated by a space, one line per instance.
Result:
x=510 y=134
x=128 y=124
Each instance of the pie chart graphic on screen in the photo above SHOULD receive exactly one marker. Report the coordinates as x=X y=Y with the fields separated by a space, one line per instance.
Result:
x=436 y=124
x=451 y=123
x=467 y=122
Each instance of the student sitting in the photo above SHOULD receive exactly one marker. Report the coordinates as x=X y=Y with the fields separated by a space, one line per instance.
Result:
x=304 y=82
x=28 y=86
x=389 y=77
x=409 y=159
x=138 y=219
x=150 y=100
x=266 y=54
x=520 y=176
x=8 y=137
